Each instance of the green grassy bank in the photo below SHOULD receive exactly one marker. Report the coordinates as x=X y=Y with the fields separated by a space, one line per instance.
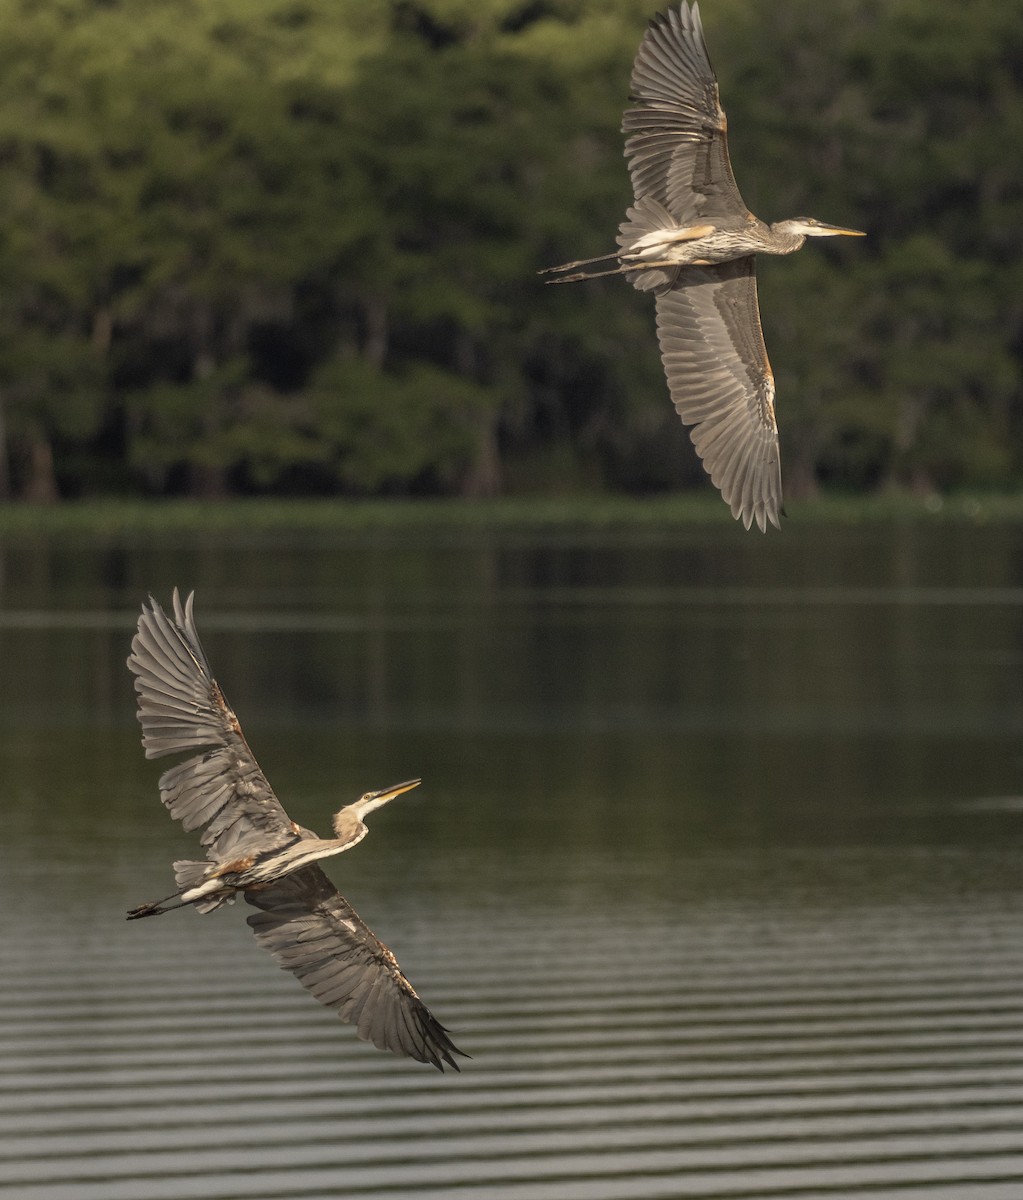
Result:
x=132 y=516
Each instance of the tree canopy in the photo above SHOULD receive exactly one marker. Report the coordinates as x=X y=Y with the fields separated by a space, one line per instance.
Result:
x=291 y=246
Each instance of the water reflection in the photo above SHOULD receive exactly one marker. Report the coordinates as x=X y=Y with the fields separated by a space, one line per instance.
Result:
x=715 y=870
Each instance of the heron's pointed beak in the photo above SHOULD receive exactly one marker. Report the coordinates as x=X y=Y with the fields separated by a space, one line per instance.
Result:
x=834 y=230
x=386 y=794
x=372 y=800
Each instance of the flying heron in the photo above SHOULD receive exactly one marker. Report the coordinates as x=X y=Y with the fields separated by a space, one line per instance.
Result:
x=254 y=849
x=691 y=240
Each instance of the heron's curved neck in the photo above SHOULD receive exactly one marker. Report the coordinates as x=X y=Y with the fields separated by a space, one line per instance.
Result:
x=348 y=827
x=784 y=241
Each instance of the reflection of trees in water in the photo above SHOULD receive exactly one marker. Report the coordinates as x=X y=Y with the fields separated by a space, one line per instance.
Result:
x=660 y=686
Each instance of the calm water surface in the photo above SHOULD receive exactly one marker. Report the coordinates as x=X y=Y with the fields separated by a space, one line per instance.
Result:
x=715 y=872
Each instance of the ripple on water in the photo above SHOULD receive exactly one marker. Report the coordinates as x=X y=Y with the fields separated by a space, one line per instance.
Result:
x=744 y=1050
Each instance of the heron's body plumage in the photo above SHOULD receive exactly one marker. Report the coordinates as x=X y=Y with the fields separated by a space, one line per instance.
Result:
x=255 y=850
x=690 y=239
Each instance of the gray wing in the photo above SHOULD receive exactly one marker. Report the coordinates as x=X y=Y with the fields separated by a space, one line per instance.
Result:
x=677 y=147
x=312 y=930
x=721 y=383
x=181 y=708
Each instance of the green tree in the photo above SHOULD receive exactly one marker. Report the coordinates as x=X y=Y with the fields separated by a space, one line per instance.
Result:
x=897 y=359
x=293 y=244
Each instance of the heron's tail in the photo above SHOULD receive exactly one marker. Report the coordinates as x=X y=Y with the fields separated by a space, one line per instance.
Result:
x=646 y=233
x=188 y=874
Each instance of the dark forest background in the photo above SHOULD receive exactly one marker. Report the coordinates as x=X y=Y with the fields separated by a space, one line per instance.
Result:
x=290 y=246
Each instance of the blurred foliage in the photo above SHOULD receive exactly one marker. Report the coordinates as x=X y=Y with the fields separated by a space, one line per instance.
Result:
x=290 y=246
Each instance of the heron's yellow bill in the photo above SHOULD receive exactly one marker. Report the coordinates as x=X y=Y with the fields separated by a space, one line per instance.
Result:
x=396 y=790
x=840 y=229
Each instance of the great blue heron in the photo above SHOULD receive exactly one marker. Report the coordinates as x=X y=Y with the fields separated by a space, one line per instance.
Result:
x=254 y=849
x=691 y=240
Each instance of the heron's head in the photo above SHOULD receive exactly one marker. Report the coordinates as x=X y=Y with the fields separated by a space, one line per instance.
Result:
x=357 y=812
x=811 y=227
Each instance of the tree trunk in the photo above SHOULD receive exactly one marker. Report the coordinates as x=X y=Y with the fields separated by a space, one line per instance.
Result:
x=375 y=349
x=5 y=466
x=910 y=414
x=102 y=330
x=41 y=486
x=484 y=475
x=207 y=480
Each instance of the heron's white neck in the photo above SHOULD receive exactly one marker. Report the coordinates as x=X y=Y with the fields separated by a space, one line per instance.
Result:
x=349 y=826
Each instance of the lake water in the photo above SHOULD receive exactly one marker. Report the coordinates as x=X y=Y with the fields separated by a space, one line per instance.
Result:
x=715 y=871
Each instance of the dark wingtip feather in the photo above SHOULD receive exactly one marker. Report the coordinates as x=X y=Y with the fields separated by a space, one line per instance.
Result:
x=314 y=933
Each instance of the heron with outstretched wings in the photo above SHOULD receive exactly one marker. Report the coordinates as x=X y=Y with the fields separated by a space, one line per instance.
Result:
x=254 y=849
x=690 y=239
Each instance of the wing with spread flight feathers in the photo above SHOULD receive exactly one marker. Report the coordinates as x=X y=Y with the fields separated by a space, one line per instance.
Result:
x=181 y=707
x=677 y=147
x=721 y=383
x=312 y=931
